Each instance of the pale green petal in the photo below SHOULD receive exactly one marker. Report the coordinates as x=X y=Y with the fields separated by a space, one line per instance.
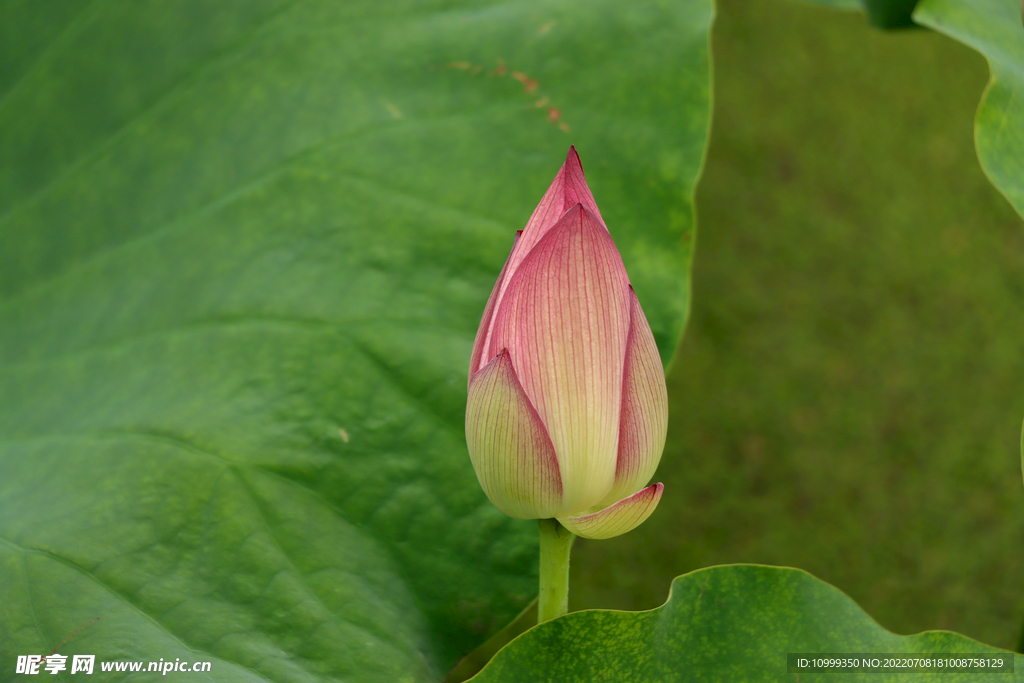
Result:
x=644 y=421
x=509 y=446
x=623 y=516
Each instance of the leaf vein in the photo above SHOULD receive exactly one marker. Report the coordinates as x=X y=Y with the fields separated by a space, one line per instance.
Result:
x=110 y=590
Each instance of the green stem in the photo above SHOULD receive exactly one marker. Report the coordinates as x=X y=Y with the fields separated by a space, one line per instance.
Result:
x=555 y=544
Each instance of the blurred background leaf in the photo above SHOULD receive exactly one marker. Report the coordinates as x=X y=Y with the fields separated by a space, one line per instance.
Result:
x=244 y=248
x=883 y=14
x=734 y=623
x=993 y=28
x=891 y=14
x=847 y=399
x=990 y=27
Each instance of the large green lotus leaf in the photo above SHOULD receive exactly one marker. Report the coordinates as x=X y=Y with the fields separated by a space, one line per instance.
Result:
x=244 y=248
x=728 y=623
x=993 y=28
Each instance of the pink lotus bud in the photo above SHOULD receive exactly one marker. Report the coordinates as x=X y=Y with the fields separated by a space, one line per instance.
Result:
x=567 y=409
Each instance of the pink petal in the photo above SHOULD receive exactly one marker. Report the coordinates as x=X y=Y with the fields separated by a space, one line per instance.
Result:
x=565 y=321
x=644 y=421
x=623 y=516
x=508 y=445
x=567 y=189
x=477 y=360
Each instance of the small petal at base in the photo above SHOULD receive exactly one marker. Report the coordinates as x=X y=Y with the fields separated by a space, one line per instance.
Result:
x=617 y=519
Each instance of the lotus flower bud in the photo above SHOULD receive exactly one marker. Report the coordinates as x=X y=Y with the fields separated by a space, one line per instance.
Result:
x=567 y=409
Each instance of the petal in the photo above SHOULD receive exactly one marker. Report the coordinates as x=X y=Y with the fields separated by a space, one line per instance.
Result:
x=644 y=421
x=626 y=515
x=510 y=449
x=477 y=359
x=565 y=320
x=567 y=189
x=576 y=190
